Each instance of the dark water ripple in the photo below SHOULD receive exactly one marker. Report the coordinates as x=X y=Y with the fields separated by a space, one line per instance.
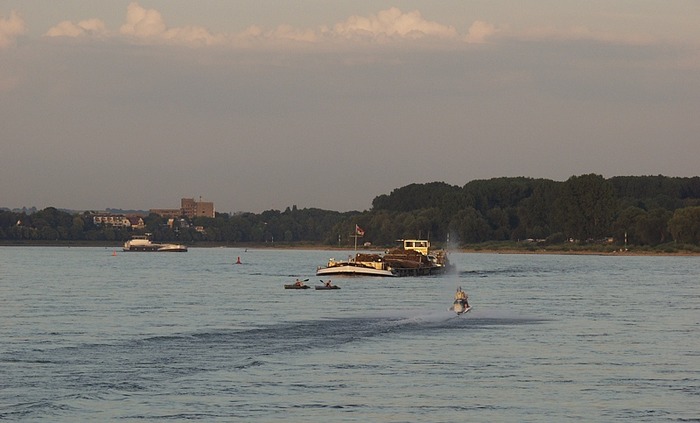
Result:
x=103 y=371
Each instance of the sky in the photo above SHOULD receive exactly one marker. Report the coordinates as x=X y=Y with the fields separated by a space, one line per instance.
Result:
x=262 y=104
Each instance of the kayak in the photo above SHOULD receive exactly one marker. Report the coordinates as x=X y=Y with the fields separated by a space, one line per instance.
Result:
x=322 y=287
x=295 y=286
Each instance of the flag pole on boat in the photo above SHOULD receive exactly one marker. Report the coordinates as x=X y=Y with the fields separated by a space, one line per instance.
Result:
x=358 y=233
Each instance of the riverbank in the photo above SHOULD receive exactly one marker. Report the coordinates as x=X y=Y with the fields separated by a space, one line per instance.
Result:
x=583 y=249
x=581 y=252
x=489 y=248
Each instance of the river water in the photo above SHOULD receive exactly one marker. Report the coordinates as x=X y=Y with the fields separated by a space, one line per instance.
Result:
x=93 y=334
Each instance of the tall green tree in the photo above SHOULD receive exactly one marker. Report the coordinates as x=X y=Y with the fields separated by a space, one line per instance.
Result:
x=586 y=207
x=652 y=227
x=684 y=226
x=469 y=226
x=625 y=225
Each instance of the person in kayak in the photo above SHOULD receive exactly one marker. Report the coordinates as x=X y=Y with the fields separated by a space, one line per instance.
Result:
x=298 y=283
x=328 y=283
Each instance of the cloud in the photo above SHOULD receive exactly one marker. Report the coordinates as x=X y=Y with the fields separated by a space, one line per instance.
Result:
x=82 y=28
x=287 y=32
x=254 y=34
x=10 y=28
x=392 y=24
x=479 y=31
x=148 y=25
x=143 y=23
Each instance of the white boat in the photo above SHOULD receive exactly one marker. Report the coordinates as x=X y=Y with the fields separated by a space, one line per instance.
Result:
x=373 y=266
x=353 y=267
x=413 y=258
x=143 y=243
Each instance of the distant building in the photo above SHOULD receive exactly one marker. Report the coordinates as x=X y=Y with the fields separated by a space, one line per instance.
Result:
x=112 y=220
x=188 y=208
x=136 y=222
x=192 y=208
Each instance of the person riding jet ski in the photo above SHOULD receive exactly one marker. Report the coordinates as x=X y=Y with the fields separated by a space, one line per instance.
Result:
x=461 y=296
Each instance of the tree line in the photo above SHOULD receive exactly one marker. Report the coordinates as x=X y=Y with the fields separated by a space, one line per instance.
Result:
x=631 y=210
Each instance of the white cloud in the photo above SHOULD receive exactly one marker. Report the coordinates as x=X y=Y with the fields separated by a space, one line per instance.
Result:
x=82 y=28
x=392 y=24
x=479 y=31
x=143 y=23
x=10 y=28
x=147 y=25
x=254 y=34
x=287 y=32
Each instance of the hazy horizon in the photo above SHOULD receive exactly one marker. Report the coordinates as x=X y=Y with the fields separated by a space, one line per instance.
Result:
x=265 y=105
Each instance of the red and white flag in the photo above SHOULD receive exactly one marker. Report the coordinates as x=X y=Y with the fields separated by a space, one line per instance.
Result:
x=359 y=230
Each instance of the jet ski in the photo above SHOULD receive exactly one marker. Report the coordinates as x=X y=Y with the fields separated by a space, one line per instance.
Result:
x=461 y=303
x=460 y=307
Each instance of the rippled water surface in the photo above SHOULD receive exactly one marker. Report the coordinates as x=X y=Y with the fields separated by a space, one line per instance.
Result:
x=87 y=335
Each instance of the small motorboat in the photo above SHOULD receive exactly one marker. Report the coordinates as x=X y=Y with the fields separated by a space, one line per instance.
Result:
x=143 y=243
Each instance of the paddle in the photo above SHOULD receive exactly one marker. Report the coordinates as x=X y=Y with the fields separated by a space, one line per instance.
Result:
x=327 y=284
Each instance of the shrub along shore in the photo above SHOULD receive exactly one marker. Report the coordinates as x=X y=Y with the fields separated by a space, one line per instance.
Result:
x=670 y=249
